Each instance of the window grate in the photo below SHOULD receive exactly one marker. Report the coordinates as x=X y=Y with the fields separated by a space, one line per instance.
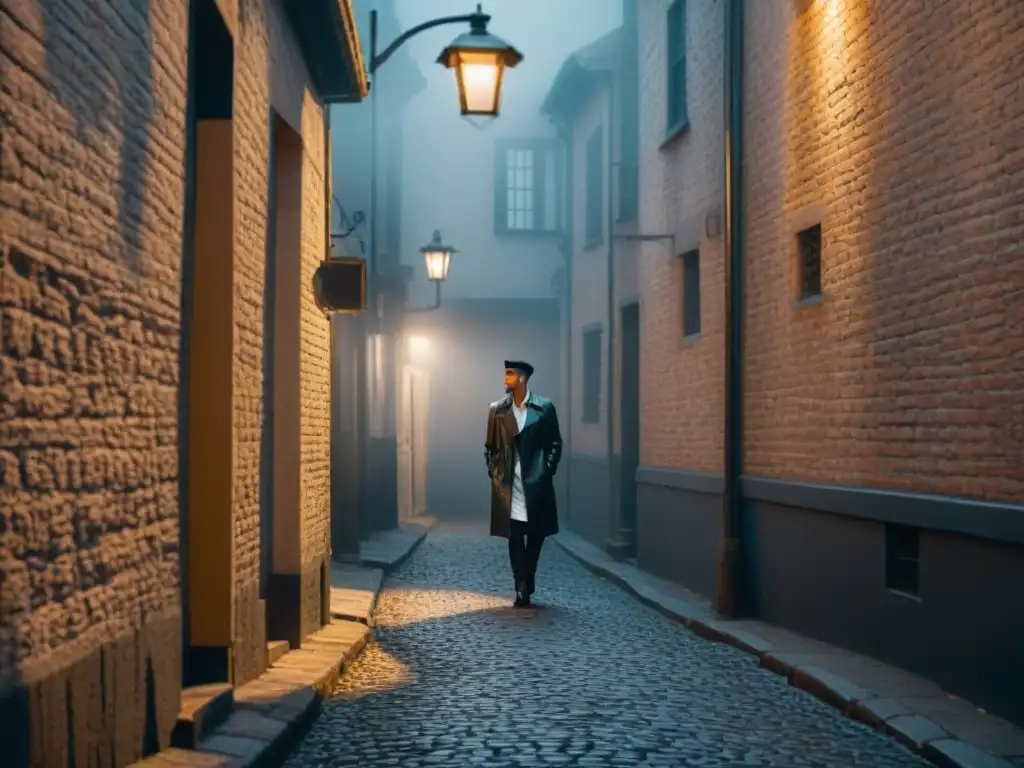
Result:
x=902 y=558
x=691 y=293
x=808 y=243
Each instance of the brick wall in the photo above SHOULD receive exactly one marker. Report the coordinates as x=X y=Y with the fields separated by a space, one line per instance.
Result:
x=316 y=352
x=92 y=166
x=899 y=126
x=91 y=200
x=680 y=185
x=270 y=74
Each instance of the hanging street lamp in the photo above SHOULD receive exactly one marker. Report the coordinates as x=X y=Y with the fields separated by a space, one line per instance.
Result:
x=479 y=60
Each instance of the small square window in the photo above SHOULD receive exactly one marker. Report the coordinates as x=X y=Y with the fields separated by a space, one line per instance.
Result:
x=808 y=247
x=902 y=558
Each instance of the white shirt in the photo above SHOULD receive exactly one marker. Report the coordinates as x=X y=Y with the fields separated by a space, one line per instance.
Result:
x=518 y=495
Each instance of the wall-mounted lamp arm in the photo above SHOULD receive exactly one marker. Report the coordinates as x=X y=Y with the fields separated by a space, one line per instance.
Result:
x=432 y=307
x=377 y=60
x=659 y=239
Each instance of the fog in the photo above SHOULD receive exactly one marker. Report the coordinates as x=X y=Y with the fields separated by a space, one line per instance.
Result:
x=437 y=170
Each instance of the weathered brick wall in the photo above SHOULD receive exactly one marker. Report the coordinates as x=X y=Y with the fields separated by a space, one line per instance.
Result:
x=270 y=73
x=680 y=184
x=902 y=122
x=91 y=200
x=316 y=349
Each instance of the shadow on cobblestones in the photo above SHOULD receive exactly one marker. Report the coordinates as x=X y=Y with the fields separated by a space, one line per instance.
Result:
x=456 y=677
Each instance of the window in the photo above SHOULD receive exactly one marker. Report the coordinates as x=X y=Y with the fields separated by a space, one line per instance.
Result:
x=528 y=187
x=592 y=376
x=629 y=192
x=595 y=187
x=808 y=247
x=691 y=293
x=902 y=558
x=676 y=97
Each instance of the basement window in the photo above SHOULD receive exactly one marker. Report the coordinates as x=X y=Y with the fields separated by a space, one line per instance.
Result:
x=808 y=250
x=902 y=559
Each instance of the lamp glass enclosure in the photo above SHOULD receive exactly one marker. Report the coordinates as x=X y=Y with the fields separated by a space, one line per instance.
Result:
x=479 y=60
x=479 y=76
x=437 y=261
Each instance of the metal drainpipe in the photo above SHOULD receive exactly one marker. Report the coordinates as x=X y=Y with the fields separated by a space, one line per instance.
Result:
x=614 y=516
x=565 y=133
x=727 y=597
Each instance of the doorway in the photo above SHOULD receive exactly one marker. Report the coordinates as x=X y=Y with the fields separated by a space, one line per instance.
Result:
x=412 y=442
x=405 y=441
x=420 y=412
x=629 y=410
x=205 y=442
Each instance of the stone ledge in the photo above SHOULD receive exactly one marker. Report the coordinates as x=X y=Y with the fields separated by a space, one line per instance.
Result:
x=272 y=712
x=387 y=550
x=354 y=591
x=953 y=753
x=801 y=669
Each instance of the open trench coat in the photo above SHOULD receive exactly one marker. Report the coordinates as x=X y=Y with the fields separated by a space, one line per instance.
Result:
x=539 y=449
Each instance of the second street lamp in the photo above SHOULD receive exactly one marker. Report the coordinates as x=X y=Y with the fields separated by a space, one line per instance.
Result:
x=437 y=258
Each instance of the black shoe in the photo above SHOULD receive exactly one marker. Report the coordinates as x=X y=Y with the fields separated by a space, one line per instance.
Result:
x=522 y=598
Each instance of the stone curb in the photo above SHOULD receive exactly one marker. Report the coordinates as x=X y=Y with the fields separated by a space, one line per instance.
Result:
x=916 y=732
x=272 y=713
x=427 y=525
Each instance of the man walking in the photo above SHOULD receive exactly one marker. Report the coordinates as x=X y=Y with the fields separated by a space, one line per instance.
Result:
x=522 y=448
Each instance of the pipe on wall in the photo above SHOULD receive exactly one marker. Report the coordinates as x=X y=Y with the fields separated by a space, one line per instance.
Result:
x=612 y=164
x=568 y=244
x=727 y=596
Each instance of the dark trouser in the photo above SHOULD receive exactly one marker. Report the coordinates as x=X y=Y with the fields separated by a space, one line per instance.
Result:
x=523 y=553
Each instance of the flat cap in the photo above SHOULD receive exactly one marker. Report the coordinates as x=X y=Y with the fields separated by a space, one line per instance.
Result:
x=518 y=365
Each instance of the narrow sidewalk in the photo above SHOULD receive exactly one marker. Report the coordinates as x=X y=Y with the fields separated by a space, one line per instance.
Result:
x=256 y=724
x=355 y=587
x=946 y=730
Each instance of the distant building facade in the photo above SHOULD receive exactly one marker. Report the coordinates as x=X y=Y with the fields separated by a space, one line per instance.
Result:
x=882 y=482
x=164 y=418
x=496 y=193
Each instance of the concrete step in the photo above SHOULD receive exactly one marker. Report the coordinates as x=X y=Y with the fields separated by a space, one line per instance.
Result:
x=203 y=709
x=275 y=650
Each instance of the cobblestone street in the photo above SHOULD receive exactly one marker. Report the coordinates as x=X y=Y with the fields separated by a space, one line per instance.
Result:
x=456 y=677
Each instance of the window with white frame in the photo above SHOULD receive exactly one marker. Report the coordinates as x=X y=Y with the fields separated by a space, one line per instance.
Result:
x=528 y=186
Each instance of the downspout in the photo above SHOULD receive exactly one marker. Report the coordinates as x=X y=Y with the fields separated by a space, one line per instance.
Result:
x=568 y=244
x=727 y=598
x=613 y=504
